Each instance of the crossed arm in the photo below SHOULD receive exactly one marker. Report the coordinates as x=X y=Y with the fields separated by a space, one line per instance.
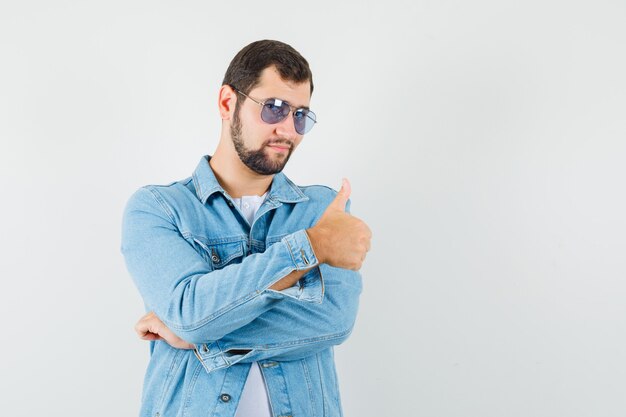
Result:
x=251 y=307
x=151 y=328
x=291 y=330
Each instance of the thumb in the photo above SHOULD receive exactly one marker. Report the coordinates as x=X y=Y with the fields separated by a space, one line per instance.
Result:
x=339 y=203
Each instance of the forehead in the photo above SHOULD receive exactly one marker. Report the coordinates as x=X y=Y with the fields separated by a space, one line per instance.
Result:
x=271 y=85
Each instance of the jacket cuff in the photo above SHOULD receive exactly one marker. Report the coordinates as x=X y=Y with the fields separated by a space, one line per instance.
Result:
x=301 y=250
x=311 y=286
x=213 y=357
x=210 y=356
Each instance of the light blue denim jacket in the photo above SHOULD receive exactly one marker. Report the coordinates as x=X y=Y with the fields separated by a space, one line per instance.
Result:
x=206 y=273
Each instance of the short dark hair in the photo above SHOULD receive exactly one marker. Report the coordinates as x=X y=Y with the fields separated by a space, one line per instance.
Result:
x=245 y=69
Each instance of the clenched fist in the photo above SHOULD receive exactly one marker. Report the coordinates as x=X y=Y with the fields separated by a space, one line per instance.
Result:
x=150 y=327
x=340 y=239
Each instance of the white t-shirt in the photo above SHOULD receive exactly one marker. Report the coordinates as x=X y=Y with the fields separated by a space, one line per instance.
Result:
x=254 y=401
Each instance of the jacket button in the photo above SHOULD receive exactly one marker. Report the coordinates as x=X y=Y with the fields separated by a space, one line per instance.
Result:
x=215 y=258
x=225 y=398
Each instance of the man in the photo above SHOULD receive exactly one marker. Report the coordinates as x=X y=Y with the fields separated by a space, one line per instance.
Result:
x=249 y=280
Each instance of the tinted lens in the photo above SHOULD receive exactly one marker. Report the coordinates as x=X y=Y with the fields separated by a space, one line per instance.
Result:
x=304 y=120
x=274 y=110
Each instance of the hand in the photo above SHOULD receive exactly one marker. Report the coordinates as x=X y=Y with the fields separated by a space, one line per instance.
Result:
x=150 y=327
x=340 y=239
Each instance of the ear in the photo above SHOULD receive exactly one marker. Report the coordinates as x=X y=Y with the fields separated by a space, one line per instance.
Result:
x=227 y=99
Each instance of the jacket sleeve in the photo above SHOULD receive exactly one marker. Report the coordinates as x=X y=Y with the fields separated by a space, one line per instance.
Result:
x=195 y=302
x=292 y=329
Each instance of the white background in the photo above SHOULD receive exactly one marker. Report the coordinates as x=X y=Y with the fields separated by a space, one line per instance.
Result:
x=484 y=140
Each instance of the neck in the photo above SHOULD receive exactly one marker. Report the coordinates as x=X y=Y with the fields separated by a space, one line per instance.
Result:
x=234 y=176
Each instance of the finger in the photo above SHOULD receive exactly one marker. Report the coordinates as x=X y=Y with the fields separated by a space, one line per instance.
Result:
x=151 y=336
x=147 y=324
x=140 y=329
x=141 y=322
x=339 y=203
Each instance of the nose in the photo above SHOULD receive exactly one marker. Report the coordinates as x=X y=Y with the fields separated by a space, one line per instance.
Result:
x=286 y=128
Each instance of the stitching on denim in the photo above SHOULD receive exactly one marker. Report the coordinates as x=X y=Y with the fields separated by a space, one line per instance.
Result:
x=221 y=351
x=309 y=383
x=228 y=307
x=169 y=379
x=308 y=280
x=216 y=402
x=197 y=186
x=274 y=239
x=300 y=342
x=319 y=369
x=318 y=185
x=204 y=252
x=258 y=245
x=218 y=241
x=291 y=251
x=215 y=315
x=190 y=387
x=230 y=363
x=242 y=300
x=157 y=196
x=223 y=261
x=297 y=189
x=311 y=246
x=336 y=379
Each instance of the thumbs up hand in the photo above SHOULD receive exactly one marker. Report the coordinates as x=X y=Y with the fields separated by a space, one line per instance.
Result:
x=341 y=199
x=340 y=239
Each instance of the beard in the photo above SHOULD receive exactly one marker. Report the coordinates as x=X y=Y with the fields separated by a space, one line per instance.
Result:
x=257 y=160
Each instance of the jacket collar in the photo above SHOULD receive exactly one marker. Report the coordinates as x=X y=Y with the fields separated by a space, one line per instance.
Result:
x=281 y=189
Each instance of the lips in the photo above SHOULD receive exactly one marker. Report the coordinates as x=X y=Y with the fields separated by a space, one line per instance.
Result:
x=279 y=147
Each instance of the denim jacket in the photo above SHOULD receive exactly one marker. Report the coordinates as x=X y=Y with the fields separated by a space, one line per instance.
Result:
x=206 y=273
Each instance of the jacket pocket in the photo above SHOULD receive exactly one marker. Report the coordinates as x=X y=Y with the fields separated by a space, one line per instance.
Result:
x=218 y=255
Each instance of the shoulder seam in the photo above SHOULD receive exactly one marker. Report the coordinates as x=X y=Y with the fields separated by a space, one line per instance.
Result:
x=318 y=185
x=157 y=197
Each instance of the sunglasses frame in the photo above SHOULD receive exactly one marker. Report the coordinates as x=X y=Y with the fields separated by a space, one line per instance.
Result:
x=291 y=110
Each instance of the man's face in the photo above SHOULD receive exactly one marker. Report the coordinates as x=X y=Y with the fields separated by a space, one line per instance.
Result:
x=262 y=147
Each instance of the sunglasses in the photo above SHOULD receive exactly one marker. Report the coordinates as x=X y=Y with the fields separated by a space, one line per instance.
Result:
x=275 y=110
